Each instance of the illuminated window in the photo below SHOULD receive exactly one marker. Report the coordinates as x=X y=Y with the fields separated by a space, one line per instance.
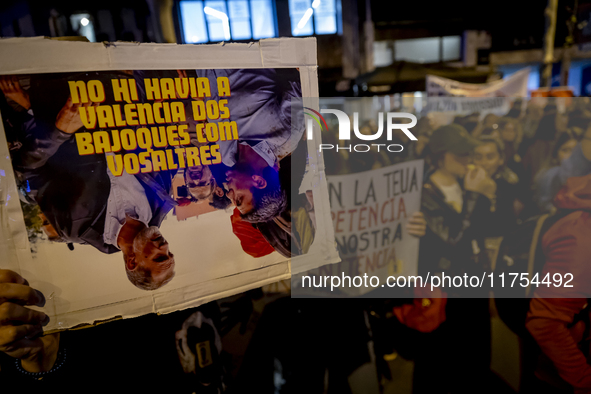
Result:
x=428 y=50
x=225 y=20
x=451 y=48
x=310 y=17
x=419 y=50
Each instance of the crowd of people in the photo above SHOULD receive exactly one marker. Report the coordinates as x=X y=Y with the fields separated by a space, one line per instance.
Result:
x=486 y=177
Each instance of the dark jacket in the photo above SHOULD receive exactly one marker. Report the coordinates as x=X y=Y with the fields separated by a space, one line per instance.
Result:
x=453 y=243
x=455 y=357
x=73 y=190
x=287 y=241
x=535 y=158
x=103 y=357
x=504 y=219
x=279 y=237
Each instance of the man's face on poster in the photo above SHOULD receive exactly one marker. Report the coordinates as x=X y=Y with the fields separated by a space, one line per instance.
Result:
x=200 y=181
x=239 y=184
x=153 y=254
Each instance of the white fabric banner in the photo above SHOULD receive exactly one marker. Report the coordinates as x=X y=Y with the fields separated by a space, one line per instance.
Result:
x=513 y=86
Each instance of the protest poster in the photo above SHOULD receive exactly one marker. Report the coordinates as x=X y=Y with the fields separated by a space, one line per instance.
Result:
x=141 y=178
x=447 y=96
x=512 y=86
x=369 y=212
x=466 y=106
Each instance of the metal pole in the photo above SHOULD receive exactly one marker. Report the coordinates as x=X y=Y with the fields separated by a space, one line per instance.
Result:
x=550 y=12
x=568 y=46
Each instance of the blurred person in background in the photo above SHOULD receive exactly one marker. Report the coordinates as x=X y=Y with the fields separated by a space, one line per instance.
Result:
x=511 y=134
x=492 y=131
x=565 y=161
x=562 y=149
x=515 y=111
x=469 y=122
x=559 y=315
x=423 y=131
x=579 y=118
x=489 y=120
x=540 y=147
x=533 y=114
x=562 y=120
x=550 y=107
x=490 y=156
x=456 y=203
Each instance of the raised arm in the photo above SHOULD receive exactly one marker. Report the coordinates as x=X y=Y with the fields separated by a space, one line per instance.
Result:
x=13 y=90
x=43 y=140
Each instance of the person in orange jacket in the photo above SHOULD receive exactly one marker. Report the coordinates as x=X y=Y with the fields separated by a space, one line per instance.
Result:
x=556 y=318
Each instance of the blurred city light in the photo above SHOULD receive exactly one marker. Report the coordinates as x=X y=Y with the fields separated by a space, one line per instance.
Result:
x=223 y=17
x=83 y=25
x=305 y=18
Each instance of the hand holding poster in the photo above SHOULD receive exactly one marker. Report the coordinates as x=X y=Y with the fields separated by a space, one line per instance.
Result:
x=103 y=160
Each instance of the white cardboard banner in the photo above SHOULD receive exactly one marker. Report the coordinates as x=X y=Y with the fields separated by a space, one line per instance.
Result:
x=85 y=285
x=369 y=211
